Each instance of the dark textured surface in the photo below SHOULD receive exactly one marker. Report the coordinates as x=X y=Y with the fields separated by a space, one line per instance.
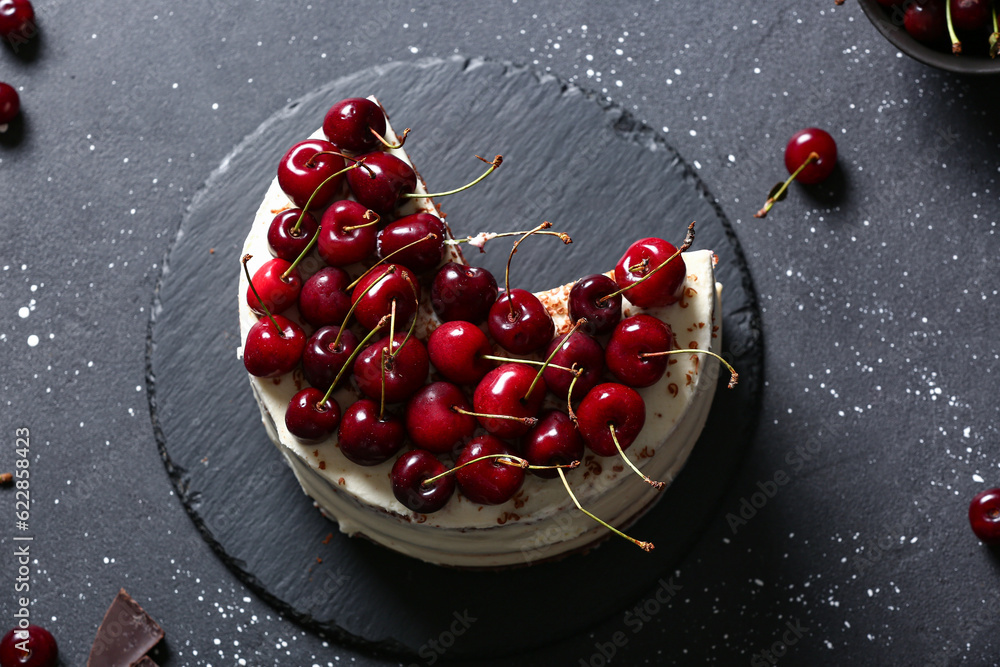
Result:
x=878 y=292
x=235 y=484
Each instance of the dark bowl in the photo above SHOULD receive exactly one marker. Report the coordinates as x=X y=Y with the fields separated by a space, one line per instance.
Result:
x=893 y=31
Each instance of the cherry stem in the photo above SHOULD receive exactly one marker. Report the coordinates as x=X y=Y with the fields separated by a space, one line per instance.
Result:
x=431 y=236
x=489 y=236
x=493 y=166
x=513 y=251
x=778 y=194
x=386 y=143
x=347 y=318
x=312 y=165
x=531 y=362
x=645 y=546
x=579 y=323
x=527 y=421
x=409 y=333
x=621 y=452
x=367 y=216
x=505 y=459
x=734 y=377
x=569 y=396
x=994 y=39
x=302 y=255
x=688 y=241
x=956 y=43
x=381 y=412
x=247 y=258
x=357 y=163
x=350 y=359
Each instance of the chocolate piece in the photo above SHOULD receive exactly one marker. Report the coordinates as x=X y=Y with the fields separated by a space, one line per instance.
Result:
x=125 y=636
x=145 y=661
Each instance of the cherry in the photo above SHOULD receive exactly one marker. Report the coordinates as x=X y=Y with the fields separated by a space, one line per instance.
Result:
x=487 y=482
x=277 y=293
x=504 y=393
x=404 y=368
x=408 y=475
x=984 y=516
x=306 y=172
x=810 y=158
x=16 y=16
x=586 y=300
x=384 y=180
x=461 y=292
x=324 y=299
x=432 y=421
x=970 y=14
x=632 y=338
x=580 y=349
x=519 y=322
x=325 y=355
x=10 y=103
x=423 y=253
x=347 y=234
x=312 y=416
x=274 y=346
x=287 y=242
x=368 y=437
x=42 y=649
x=456 y=349
x=607 y=405
x=925 y=21
x=353 y=123
x=639 y=272
x=375 y=293
x=554 y=440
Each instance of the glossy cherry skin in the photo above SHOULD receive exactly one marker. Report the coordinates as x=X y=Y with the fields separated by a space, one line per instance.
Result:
x=277 y=293
x=285 y=243
x=340 y=247
x=42 y=648
x=633 y=337
x=16 y=16
x=641 y=259
x=529 y=329
x=349 y=124
x=364 y=438
x=984 y=516
x=10 y=103
x=324 y=299
x=504 y=391
x=375 y=293
x=404 y=373
x=584 y=301
x=408 y=475
x=579 y=349
x=269 y=354
x=925 y=21
x=456 y=349
x=970 y=14
x=380 y=186
x=422 y=256
x=487 y=482
x=303 y=170
x=462 y=292
x=322 y=360
x=432 y=422
x=555 y=440
x=802 y=144
x=608 y=404
x=308 y=417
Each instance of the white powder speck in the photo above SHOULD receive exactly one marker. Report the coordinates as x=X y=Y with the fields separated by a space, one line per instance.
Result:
x=23 y=312
x=32 y=340
x=967 y=432
x=978 y=479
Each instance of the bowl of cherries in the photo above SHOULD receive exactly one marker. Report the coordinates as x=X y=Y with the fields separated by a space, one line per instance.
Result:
x=955 y=35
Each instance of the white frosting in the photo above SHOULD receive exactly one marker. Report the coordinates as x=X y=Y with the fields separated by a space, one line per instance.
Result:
x=540 y=522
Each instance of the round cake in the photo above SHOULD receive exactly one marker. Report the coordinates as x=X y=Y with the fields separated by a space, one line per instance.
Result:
x=540 y=521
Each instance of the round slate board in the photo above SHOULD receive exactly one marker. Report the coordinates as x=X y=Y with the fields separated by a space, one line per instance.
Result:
x=570 y=158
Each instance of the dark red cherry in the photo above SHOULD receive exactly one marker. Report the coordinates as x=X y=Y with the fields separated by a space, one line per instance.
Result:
x=456 y=349
x=504 y=391
x=984 y=516
x=610 y=404
x=579 y=349
x=632 y=338
x=385 y=180
x=527 y=329
x=325 y=355
x=306 y=167
x=349 y=124
x=555 y=440
x=340 y=246
x=487 y=482
x=41 y=645
x=461 y=292
x=277 y=293
x=432 y=421
x=324 y=299
x=284 y=242
x=268 y=353
x=584 y=301
x=970 y=14
x=925 y=21
x=10 y=103
x=408 y=475
x=364 y=438
x=309 y=417
x=16 y=20
x=642 y=258
x=802 y=144
x=375 y=293
x=405 y=371
x=426 y=253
